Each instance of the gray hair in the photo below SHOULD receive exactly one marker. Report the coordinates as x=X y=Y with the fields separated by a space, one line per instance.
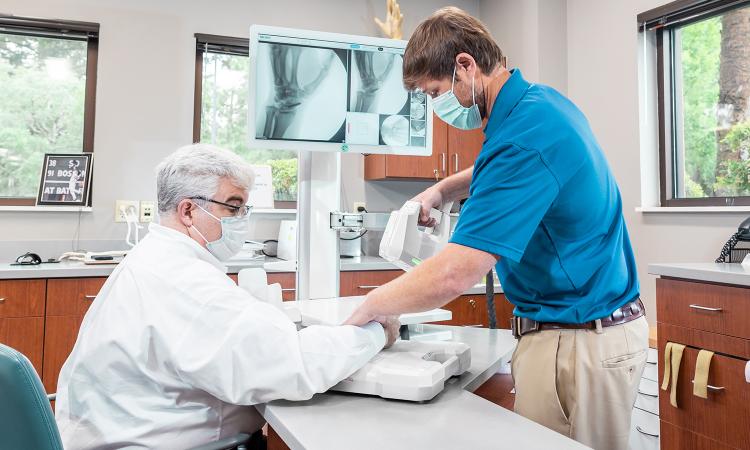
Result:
x=195 y=170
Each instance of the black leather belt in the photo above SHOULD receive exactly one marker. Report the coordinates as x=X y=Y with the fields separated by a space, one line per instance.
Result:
x=625 y=314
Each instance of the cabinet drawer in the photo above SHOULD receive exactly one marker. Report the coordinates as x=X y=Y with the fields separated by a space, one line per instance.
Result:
x=362 y=282
x=72 y=296
x=725 y=415
x=644 y=431
x=716 y=308
x=22 y=298
x=288 y=282
x=648 y=396
x=674 y=438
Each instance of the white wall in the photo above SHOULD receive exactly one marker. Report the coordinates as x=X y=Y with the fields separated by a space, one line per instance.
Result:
x=532 y=34
x=145 y=100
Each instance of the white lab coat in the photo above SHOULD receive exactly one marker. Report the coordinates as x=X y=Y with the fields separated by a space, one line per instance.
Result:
x=171 y=352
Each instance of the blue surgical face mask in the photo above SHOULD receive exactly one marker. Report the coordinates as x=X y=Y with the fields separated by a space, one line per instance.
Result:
x=452 y=112
x=233 y=234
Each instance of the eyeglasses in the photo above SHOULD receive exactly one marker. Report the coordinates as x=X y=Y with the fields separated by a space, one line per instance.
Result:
x=239 y=211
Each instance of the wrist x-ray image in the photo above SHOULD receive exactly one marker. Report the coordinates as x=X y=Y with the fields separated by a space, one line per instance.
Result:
x=300 y=97
x=349 y=94
x=376 y=83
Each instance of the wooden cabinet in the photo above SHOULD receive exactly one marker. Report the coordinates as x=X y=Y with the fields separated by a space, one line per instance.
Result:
x=362 y=282
x=67 y=303
x=22 y=318
x=471 y=310
x=712 y=317
x=452 y=151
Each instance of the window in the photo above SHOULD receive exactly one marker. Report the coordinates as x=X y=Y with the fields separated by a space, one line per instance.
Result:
x=222 y=66
x=47 y=98
x=702 y=54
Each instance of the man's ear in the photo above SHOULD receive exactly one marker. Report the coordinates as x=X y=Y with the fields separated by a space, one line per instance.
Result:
x=185 y=210
x=466 y=62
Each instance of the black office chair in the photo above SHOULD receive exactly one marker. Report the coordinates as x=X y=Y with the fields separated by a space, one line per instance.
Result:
x=26 y=417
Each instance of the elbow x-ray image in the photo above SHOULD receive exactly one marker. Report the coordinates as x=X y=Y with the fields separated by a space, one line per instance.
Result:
x=302 y=83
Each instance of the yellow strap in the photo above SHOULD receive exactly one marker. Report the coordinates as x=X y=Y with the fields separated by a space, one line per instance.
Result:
x=677 y=350
x=700 y=380
x=667 y=366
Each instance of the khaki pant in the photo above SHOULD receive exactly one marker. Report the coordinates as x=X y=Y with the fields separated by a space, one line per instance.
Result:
x=581 y=383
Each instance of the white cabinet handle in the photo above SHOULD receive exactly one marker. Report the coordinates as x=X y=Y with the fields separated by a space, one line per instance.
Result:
x=2 y=300
x=288 y=289
x=442 y=162
x=455 y=160
x=648 y=394
x=712 y=388
x=89 y=297
x=706 y=308
x=640 y=430
x=368 y=287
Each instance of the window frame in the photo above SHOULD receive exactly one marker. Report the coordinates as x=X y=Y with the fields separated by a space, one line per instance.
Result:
x=663 y=21
x=226 y=45
x=62 y=29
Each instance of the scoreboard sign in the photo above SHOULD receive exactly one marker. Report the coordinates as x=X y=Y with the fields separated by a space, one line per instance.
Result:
x=66 y=179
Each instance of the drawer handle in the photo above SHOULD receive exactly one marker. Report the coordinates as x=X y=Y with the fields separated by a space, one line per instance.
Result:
x=288 y=289
x=89 y=297
x=706 y=308
x=712 y=388
x=473 y=303
x=640 y=430
x=479 y=325
x=648 y=394
x=368 y=287
x=2 y=300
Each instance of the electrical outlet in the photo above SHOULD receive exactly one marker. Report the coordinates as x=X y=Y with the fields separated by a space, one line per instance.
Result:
x=358 y=205
x=147 y=211
x=121 y=206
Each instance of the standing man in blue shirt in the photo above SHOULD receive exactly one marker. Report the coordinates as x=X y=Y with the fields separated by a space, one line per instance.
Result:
x=544 y=209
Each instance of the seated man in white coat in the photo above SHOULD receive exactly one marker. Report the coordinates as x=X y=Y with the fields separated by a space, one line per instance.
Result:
x=172 y=354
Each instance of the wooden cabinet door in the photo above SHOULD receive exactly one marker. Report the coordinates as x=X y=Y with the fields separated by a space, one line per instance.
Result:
x=67 y=303
x=463 y=148
x=26 y=335
x=287 y=280
x=468 y=310
x=362 y=282
x=433 y=167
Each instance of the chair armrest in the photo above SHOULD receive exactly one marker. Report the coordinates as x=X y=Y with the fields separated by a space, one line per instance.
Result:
x=52 y=397
x=222 y=444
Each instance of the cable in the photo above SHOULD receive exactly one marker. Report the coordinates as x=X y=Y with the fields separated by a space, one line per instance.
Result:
x=355 y=237
x=489 y=287
x=726 y=251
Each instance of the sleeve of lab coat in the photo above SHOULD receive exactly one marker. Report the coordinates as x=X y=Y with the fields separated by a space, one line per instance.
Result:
x=256 y=354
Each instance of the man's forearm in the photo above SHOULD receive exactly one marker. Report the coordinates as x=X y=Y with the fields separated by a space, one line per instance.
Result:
x=456 y=187
x=433 y=283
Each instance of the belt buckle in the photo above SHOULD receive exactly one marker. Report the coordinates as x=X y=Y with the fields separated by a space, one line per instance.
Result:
x=515 y=326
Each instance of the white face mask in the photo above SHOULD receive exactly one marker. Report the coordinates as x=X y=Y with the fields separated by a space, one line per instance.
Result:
x=233 y=234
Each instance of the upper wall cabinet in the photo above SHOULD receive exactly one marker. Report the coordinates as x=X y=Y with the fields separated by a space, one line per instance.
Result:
x=452 y=151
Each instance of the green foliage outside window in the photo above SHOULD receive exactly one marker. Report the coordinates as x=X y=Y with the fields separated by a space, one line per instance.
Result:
x=42 y=92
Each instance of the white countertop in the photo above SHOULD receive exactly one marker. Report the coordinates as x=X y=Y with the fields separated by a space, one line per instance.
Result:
x=725 y=273
x=334 y=311
x=455 y=419
x=76 y=269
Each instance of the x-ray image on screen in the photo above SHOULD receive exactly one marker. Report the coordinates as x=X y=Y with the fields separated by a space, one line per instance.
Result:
x=376 y=83
x=394 y=130
x=300 y=97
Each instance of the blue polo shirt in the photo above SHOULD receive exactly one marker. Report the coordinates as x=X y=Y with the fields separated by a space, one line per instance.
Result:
x=543 y=198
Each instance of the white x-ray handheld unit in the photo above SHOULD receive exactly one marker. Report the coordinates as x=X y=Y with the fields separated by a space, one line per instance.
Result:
x=406 y=244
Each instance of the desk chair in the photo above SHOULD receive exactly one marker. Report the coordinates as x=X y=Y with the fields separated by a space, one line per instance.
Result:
x=26 y=417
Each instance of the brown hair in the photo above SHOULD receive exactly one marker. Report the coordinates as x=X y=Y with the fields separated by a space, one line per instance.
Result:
x=432 y=48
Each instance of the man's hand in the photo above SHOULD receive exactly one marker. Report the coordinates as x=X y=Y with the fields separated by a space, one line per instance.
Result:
x=430 y=198
x=392 y=327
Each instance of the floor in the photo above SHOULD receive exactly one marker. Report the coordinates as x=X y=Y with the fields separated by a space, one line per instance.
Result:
x=498 y=390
